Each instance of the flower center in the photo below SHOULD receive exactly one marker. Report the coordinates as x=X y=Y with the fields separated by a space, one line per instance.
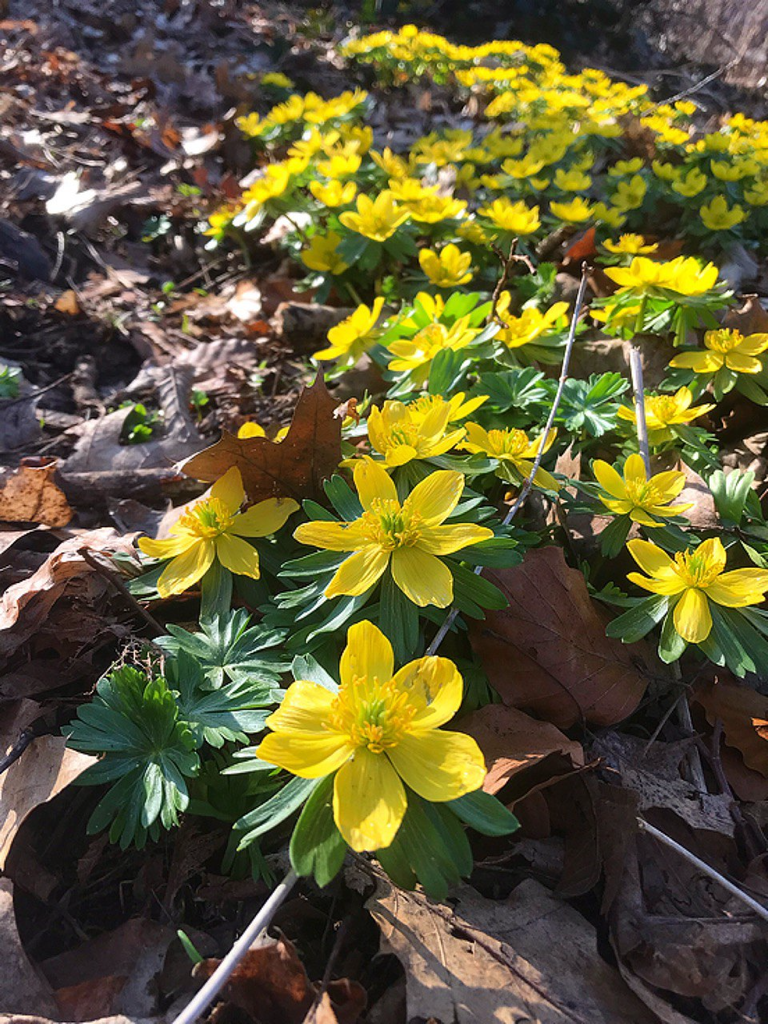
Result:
x=643 y=495
x=388 y=526
x=723 y=341
x=508 y=442
x=663 y=407
x=695 y=569
x=208 y=518
x=371 y=713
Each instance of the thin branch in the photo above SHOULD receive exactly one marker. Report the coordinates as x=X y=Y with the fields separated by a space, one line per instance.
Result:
x=25 y=738
x=636 y=370
x=203 y=999
x=117 y=583
x=733 y=889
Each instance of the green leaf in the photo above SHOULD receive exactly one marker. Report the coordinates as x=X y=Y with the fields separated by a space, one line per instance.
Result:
x=275 y=810
x=304 y=666
x=317 y=847
x=398 y=619
x=227 y=647
x=477 y=589
x=343 y=498
x=215 y=593
x=634 y=624
x=614 y=536
x=671 y=644
x=484 y=813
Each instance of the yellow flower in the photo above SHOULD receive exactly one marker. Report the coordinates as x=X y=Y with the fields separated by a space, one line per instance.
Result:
x=693 y=183
x=339 y=165
x=524 y=168
x=214 y=528
x=322 y=255
x=410 y=191
x=414 y=355
x=516 y=218
x=631 y=245
x=667 y=172
x=401 y=434
x=380 y=730
x=514 y=448
x=726 y=348
x=572 y=180
x=636 y=496
x=277 y=78
x=608 y=215
x=530 y=325
x=406 y=538
x=664 y=412
x=695 y=577
x=449 y=269
x=457 y=407
x=686 y=275
x=433 y=209
x=394 y=166
x=575 y=212
x=333 y=193
x=377 y=219
x=718 y=216
x=626 y=167
x=629 y=195
x=354 y=335
x=726 y=171
x=757 y=195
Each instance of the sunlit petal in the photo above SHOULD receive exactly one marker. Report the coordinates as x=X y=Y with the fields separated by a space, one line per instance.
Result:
x=331 y=536
x=373 y=482
x=739 y=588
x=186 y=569
x=422 y=577
x=237 y=555
x=439 y=765
x=304 y=754
x=359 y=572
x=265 y=518
x=692 y=618
x=435 y=686
x=368 y=654
x=229 y=489
x=651 y=558
x=369 y=801
x=303 y=709
x=435 y=497
x=444 y=540
x=609 y=479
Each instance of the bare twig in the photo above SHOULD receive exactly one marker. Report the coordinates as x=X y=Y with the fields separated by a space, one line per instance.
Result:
x=733 y=889
x=203 y=999
x=117 y=583
x=25 y=738
x=506 y=261
x=453 y=613
x=636 y=369
x=36 y=392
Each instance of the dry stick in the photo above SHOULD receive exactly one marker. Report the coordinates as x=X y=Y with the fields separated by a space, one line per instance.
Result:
x=117 y=583
x=203 y=999
x=734 y=890
x=453 y=613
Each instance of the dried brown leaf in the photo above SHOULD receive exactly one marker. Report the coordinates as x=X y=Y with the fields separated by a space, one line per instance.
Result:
x=30 y=494
x=548 y=652
x=295 y=467
x=741 y=710
x=22 y=990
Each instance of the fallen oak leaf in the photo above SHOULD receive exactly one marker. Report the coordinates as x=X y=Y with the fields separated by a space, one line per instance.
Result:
x=293 y=468
x=743 y=712
x=30 y=494
x=547 y=652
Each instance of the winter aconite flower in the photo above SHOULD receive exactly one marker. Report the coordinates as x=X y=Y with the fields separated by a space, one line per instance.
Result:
x=644 y=500
x=516 y=218
x=719 y=216
x=630 y=245
x=214 y=528
x=575 y=212
x=322 y=254
x=379 y=733
x=448 y=269
x=414 y=355
x=665 y=412
x=407 y=538
x=354 y=335
x=695 y=577
x=725 y=348
x=377 y=219
x=512 y=448
x=531 y=324
x=401 y=434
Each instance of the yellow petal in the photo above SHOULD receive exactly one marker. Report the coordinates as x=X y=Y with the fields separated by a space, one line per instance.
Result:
x=237 y=555
x=306 y=755
x=753 y=344
x=692 y=617
x=742 y=364
x=368 y=654
x=639 y=515
x=435 y=687
x=423 y=578
x=435 y=497
x=444 y=540
x=439 y=765
x=651 y=558
x=305 y=708
x=609 y=479
x=265 y=518
x=373 y=481
x=668 y=586
x=331 y=536
x=713 y=553
x=634 y=469
x=229 y=489
x=369 y=801
x=400 y=454
x=699 y=362
x=166 y=548
x=669 y=483
x=359 y=572
x=186 y=569
x=739 y=588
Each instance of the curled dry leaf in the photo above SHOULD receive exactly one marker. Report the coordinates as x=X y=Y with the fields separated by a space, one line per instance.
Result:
x=512 y=742
x=30 y=494
x=271 y=984
x=42 y=771
x=529 y=957
x=293 y=468
x=743 y=712
x=548 y=653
